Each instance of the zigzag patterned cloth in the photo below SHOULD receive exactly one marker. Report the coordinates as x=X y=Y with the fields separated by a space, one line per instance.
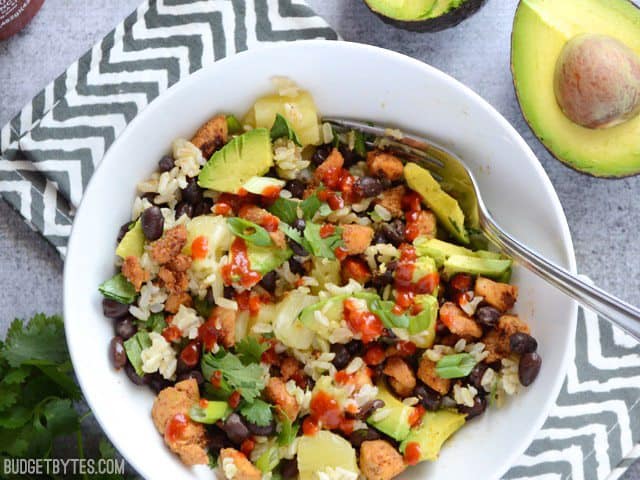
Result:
x=49 y=151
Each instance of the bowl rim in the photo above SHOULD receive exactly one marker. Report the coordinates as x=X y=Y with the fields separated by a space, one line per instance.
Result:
x=157 y=103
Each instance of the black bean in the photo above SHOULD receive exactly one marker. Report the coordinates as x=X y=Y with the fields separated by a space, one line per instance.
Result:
x=529 y=368
x=235 y=429
x=118 y=354
x=350 y=156
x=299 y=225
x=369 y=187
x=429 y=398
x=265 y=431
x=296 y=187
x=133 y=376
x=157 y=382
x=363 y=435
x=381 y=280
x=355 y=348
x=379 y=238
x=209 y=297
x=296 y=267
x=342 y=356
x=488 y=316
x=475 y=377
x=297 y=249
x=192 y=193
x=114 y=309
x=479 y=406
x=394 y=231
x=125 y=327
x=195 y=374
x=124 y=228
x=203 y=207
x=166 y=163
x=184 y=208
x=368 y=408
x=217 y=439
x=522 y=343
x=229 y=292
x=289 y=468
x=321 y=154
x=268 y=282
x=152 y=223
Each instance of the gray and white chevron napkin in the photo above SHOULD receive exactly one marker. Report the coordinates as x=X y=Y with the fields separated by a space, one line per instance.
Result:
x=49 y=151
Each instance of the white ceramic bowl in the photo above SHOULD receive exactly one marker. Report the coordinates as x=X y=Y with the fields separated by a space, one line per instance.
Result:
x=346 y=80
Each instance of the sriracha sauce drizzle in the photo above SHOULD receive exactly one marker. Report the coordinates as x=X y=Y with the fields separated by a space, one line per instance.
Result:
x=239 y=268
x=406 y=289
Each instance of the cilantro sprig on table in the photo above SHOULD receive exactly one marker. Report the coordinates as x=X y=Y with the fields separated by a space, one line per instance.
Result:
x=38 y=394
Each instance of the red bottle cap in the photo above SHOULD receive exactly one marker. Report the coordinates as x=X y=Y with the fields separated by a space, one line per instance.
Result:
x=15 y=14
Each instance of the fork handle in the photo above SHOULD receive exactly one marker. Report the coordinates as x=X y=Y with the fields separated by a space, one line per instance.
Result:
x=606 y=305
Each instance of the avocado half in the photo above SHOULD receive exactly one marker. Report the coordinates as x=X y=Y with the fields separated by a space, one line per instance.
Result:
x=424 y=15
x=541 y=29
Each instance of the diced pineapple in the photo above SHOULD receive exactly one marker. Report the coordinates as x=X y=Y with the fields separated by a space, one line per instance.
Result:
x=324 y=449
x=300 y=111
x=215 y=229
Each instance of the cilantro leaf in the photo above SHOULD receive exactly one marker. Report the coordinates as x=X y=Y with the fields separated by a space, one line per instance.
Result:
x=60 y=417
x=288 y=431
x=134 y=347
x=250 y=350
x=118 y=288
x=282 y=128
x=15 y=417
x=247 y=379
x=359 y=146
x=41 y=342
x=157 y=323
x=9 y=394
x=258 y=412
x=319 y=246
x=294 y=235
x=285 y=209
x=310 y=206
x=61 y=375
x=233 y=125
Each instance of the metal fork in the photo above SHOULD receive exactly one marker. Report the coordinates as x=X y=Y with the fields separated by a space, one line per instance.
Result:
x=455 y=176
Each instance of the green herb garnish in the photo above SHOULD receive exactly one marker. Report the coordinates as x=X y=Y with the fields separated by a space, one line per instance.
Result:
x=319 y=246
x=384 y=310
x=250 y=350
x=249 y=231
x=233 y=125
x=247 y=379
x=282 y=128
x=455 y=366
x=285 y=209
x=118 y=288
x=258 y=412
x=134 y=347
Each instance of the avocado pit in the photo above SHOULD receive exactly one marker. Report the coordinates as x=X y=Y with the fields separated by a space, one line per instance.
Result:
x=597 y=81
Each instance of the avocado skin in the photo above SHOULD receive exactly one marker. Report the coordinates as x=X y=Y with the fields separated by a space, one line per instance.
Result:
x=592 y=173
x=448 y=20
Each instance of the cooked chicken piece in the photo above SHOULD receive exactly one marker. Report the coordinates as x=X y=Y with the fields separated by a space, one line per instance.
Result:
x=427 y=373
x=211 y=136
x=380 y=461
x=499 y=295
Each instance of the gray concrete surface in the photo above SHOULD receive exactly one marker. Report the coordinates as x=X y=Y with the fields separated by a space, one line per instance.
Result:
x=603 y=214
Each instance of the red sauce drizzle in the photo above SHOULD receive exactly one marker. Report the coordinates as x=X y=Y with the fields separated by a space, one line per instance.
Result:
x=239 y=269
x=208 y=334
x=406 y=289
x=271 y=191
x=326 y=412
x=234 y=399
x=176 y=427
x=216 y=378
x=411 y=204
x=362 y=321
x=416 y=416
x=190 y=354
x=374 y=356
x=172 y=333
x=412 y=453
x=199 y=247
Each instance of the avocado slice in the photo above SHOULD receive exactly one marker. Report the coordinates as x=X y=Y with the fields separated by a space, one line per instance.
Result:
x=445 y=207
x=244 y=157
x=487 y=267
x=265 y=259
x=132 y=244
x=435 y=429
x=440 y=250
x=395 y=420
x=541 y=29
x=424 y=15
x=424 y=323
